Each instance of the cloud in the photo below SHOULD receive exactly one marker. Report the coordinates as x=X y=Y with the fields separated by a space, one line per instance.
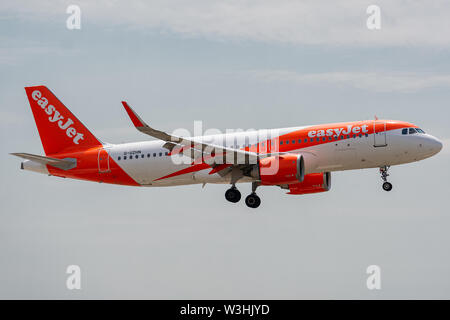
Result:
x=372 y=81
x=14 y=55
x=403 y=22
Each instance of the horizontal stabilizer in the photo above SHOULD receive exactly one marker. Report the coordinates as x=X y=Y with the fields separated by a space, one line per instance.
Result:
x=64 y=164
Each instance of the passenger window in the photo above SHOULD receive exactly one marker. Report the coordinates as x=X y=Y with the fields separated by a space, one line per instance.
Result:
x=118 y=158
x=306 y=140
x=154 y=154
x=148 y=155
x=405 y=131
x=299 y=140
x=125 y=158
x=412 y=130
x=312 y=140
x=136 y=156
x=281 y=142
x=324 y=139
x=287 y=141
x=143 y=156
x=167 y=153
x=160 y=154
x=318 y=139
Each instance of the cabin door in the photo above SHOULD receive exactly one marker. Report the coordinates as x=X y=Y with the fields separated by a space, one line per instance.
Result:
x=379 y=134
x=103 y=161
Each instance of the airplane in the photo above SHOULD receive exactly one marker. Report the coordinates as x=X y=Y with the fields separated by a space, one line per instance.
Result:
x=298 y=159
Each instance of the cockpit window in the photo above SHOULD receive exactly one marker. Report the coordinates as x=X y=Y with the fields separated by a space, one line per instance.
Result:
x=412 y=130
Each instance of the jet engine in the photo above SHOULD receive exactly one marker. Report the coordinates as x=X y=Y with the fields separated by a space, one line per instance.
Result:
x=280 y=169
x=312 y=183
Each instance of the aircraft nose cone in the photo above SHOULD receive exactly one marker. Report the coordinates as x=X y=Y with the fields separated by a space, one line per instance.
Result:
x=435 y=145
x=439 y=146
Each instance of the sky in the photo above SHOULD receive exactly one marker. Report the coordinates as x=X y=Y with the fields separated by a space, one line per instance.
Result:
x=230 y=64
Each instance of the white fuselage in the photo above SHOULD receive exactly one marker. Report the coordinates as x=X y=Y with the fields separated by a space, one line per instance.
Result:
x=150 y=161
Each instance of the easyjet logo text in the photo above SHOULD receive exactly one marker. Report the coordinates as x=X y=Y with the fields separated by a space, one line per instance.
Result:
x=57 y=118
x=338 y=131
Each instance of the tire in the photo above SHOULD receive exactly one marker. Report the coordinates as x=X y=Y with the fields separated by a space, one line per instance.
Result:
x=252 y=201
x=233 y=195
x=387 y=186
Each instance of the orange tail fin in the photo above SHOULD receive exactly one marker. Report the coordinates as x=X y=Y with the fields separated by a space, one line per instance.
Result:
x=58 y=128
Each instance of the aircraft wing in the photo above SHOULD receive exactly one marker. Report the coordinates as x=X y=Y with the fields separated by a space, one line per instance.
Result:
x=64 y=164
x=194 y=148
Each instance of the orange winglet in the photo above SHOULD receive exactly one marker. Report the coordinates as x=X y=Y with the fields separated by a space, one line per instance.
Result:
x=133 y=116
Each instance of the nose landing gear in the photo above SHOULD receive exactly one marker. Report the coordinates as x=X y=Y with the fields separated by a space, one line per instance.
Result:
x=387 y=186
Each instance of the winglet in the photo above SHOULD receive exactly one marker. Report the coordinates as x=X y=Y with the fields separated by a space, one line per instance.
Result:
x=137 y=121
x=145 y=128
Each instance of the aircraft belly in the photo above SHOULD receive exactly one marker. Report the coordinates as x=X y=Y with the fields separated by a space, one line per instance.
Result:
x=203 y=176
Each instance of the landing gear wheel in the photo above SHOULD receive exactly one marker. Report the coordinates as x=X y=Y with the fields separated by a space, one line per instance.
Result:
x=252 y=200
x=233 y=195
x=387 y=186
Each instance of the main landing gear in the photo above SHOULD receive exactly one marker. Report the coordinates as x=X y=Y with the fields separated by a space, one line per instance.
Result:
x=252 y=200
x=387 y=186
x=233 y=194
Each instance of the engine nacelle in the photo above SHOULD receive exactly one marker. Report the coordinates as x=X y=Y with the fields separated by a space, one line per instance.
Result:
x=281 y=169
x=312 y=183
